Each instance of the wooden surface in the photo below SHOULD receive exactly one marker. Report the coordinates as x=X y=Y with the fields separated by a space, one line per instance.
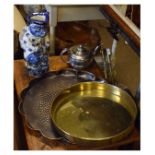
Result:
x=34 y=139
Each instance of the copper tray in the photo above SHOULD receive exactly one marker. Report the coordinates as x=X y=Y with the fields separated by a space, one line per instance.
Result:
x=37 y=98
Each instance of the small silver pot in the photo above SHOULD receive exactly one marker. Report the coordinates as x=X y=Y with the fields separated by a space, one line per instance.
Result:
x=80 y=56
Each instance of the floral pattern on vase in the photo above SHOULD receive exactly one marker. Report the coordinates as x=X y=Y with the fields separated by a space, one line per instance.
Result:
x=35 y=43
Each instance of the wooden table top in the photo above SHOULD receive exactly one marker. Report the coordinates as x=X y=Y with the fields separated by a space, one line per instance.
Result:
x=35 y=141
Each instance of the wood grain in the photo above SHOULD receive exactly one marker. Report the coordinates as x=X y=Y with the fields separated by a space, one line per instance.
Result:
x=34 y=139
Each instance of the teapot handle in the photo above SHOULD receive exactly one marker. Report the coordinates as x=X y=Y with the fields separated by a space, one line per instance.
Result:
x=95 y=50
x=62 y=53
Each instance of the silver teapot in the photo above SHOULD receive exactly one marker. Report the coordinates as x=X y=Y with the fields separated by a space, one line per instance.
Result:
x=80 y=56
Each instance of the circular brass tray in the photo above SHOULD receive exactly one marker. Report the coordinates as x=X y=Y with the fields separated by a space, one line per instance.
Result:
x=37 y=98
x=93 y=113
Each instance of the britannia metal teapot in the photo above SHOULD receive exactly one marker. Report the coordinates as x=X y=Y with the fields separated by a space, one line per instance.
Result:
x=79 y=56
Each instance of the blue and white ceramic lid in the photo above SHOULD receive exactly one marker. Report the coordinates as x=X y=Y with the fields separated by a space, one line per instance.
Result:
x=39 y=17
x=38 y=23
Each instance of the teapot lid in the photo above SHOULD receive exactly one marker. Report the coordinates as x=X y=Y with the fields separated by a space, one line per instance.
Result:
x=80 y=52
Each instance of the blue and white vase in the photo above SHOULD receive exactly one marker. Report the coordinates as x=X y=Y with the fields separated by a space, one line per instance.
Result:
x=35 y=42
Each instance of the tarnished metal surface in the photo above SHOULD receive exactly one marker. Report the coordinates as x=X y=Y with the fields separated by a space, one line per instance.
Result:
x=37 y=98
x=93 y=113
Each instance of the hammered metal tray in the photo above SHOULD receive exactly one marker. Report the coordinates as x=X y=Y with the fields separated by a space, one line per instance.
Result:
x=37 y=98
